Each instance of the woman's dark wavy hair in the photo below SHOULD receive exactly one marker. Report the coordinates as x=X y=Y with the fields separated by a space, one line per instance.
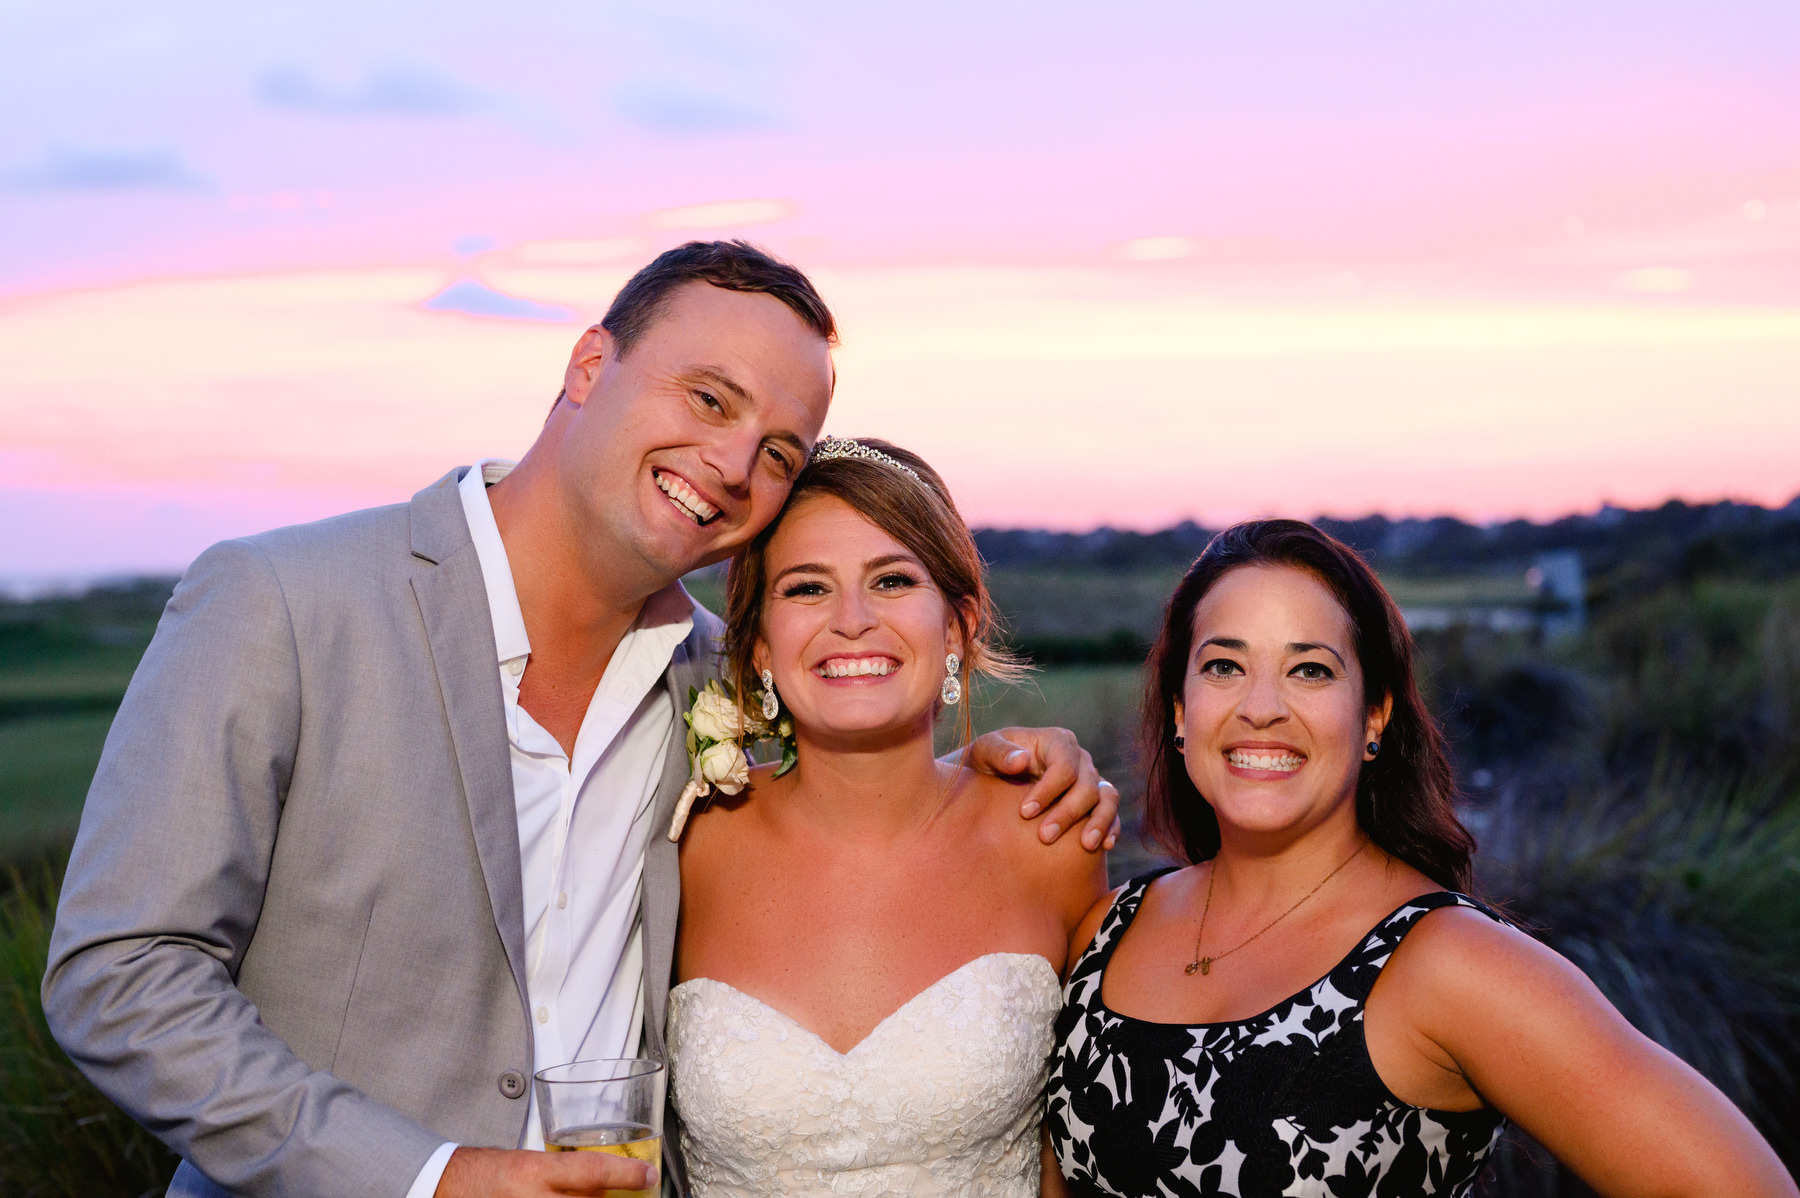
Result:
x=1404 y=798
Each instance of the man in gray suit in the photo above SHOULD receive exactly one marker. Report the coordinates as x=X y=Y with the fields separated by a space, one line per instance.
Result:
x=378 y=828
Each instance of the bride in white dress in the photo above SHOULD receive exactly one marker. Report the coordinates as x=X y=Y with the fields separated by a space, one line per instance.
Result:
x=871 y=943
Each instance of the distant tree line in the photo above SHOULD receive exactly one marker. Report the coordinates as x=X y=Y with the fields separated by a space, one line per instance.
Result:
x=1675 y=542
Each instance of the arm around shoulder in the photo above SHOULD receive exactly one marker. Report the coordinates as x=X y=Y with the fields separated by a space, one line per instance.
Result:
x=164 y=890
x=1536 y=1040
x=1072 y=874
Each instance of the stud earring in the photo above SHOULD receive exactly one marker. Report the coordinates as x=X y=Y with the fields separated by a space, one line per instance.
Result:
x=952 y=692
x=771 y=706
x=1181 y=742
x=1374 y=747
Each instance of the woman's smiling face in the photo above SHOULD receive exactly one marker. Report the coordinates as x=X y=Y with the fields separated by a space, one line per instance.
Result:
x=1272 y=707
x=854 y=628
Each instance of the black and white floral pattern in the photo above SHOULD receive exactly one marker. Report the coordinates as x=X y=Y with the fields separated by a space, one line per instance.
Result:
x=1284 y=1103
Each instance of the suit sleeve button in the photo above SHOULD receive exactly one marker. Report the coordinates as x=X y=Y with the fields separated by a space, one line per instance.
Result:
x=512 y=1084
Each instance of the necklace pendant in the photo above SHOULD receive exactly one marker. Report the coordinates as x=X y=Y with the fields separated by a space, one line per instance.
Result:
x=1206 y=964
x=1191 y=968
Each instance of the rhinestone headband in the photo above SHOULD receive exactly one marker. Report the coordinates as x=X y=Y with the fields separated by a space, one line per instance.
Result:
x=829 y=448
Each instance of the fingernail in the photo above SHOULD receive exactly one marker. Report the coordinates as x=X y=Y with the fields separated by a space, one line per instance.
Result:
x=1050 y=831
x=651 y=1178
x=1015 y=757
x=1090 y=838
x=1112 y=842
x=1030 y=809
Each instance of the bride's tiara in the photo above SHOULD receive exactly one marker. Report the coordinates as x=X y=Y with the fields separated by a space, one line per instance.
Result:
x=829 y=448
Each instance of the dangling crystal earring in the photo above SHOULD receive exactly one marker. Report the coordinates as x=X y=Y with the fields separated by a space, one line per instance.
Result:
x=952 y=692
x=771 y=704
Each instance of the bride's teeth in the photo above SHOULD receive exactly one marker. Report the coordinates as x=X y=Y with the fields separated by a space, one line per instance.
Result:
x=857 y=667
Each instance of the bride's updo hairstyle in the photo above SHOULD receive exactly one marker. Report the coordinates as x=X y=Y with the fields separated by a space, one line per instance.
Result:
x=1404 y=797
x=911 y=505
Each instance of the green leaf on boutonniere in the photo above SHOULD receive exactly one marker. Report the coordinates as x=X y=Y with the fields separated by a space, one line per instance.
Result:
x=790 y=757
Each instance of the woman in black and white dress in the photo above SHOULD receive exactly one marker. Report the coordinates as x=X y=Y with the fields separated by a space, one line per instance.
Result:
x=1314 y=1006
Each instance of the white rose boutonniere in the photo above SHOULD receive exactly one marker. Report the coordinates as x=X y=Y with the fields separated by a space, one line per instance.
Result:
x=725 y=766
x=715 y=717
x=717 y=730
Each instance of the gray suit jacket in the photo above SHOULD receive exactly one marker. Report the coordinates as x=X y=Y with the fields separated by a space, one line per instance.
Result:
x=291 y=941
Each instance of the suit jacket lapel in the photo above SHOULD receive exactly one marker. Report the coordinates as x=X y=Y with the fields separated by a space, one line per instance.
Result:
x=452 y=600
x=694 y=662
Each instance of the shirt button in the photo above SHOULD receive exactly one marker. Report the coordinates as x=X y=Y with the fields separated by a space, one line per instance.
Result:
x=512 y=1083
x=543 y=1014
x=516 y=666
x=562 y=900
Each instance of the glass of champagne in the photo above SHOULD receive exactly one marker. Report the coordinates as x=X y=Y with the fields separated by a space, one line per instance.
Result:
x=611 y=1106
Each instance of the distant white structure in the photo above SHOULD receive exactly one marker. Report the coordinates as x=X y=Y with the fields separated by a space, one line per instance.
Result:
x=1492 y=618
x=1557 y=607
x=1561 y=587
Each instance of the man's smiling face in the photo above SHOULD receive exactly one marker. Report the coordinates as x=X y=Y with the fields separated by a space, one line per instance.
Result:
x=684 y=447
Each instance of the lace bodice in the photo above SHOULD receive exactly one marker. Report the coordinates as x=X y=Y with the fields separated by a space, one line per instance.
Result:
x=942 y=1098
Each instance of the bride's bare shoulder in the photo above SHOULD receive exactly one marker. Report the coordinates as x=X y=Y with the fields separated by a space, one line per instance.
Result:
x=718 y=819
x=1064 y=868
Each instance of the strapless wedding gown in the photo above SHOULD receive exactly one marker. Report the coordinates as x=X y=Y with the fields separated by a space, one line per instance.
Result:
x=944 y=1097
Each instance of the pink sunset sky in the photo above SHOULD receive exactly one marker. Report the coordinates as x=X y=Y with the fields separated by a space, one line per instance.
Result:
x=1120 y=264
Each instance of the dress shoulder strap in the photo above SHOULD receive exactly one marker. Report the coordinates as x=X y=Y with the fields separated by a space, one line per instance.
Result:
x=1124 y=910
x=1356 y=976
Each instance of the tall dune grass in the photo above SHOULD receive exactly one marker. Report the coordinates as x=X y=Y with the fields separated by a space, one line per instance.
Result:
x=59 y=1138
x=1682 y=904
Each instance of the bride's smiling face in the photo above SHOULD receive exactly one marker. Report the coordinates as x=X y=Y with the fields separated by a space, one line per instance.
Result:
x=1272 y=708
x=854 y=629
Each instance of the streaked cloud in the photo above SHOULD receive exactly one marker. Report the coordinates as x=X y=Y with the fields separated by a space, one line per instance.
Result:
x=722 y=214
x=471 y=297
x=71 y=168
x=388 y=89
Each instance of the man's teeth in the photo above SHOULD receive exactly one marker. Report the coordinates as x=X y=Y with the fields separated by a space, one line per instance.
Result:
x=683 y=497
x=857 y=667
x=1287 y=763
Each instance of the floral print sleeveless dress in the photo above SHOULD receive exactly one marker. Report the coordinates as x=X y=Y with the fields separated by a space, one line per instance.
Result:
x=1284 y=1103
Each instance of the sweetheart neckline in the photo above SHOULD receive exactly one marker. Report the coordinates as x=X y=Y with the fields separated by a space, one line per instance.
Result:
x=886 y=1019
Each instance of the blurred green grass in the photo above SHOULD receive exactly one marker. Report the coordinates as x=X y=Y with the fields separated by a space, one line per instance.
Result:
x=1099 y=703
x=46 y=764
x=59 y=1138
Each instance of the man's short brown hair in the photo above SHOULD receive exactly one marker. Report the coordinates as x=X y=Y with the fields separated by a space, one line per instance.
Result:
x=732 y=265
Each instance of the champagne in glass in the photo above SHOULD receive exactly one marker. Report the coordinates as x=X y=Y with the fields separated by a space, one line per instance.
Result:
x=612 y=1106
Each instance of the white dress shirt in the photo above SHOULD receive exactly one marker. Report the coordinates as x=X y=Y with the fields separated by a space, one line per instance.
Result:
x=584 y=823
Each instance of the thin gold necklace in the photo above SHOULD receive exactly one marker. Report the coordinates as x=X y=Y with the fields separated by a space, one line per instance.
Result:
x=1204 y=964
